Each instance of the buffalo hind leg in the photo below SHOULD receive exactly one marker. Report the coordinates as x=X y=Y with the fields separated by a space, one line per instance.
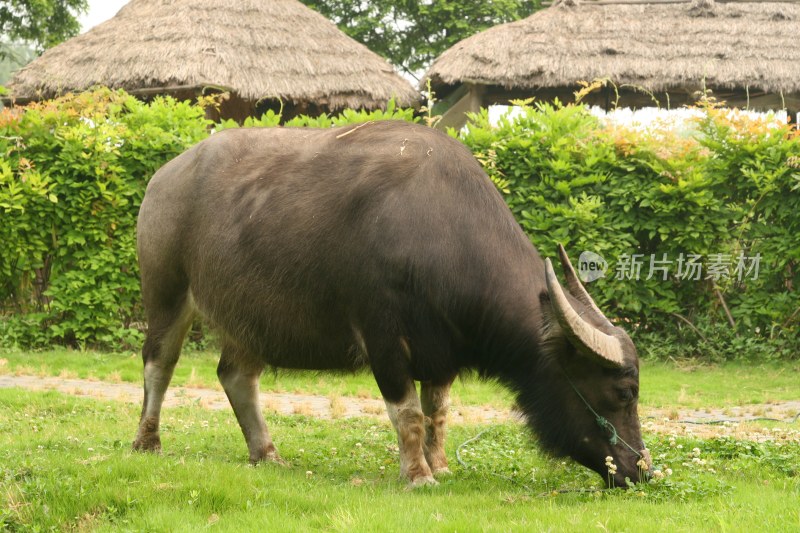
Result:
x=435 y=402
x=162 y=346
x=239 y=372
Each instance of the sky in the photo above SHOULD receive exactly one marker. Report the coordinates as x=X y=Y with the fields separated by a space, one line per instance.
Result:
x=100 y=11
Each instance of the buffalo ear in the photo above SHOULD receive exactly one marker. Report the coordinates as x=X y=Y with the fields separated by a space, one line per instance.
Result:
x=587 y=339
x=550 y=330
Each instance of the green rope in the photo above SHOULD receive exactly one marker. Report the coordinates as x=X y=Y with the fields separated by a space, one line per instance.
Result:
x=614 y=437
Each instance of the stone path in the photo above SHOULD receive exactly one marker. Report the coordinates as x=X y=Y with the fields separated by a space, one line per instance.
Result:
x=678 y=422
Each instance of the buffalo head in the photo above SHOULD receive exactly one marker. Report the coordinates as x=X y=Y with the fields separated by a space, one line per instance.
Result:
x=587 y=404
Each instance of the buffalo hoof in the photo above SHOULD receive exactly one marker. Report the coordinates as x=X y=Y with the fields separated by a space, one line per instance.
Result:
x=422 y=482
x=267 y=456
x=147 y=443
x=442 y=471
x=147 y=437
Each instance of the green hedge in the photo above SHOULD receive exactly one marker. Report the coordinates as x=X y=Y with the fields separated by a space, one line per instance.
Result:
x=72 y=177
x=73 y=172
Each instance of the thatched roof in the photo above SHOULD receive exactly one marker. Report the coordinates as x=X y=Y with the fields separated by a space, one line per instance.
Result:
x=255 y=48
x=657 y=46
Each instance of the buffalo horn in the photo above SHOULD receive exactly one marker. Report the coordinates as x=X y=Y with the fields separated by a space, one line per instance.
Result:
x=576 y=288
x=584 y=336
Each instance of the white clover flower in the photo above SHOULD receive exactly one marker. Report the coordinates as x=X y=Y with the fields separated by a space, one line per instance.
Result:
x=668 y=471
x=309 y=473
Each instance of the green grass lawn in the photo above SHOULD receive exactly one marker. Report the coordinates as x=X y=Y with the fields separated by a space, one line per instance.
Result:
x=681 y=385
x=65 y=464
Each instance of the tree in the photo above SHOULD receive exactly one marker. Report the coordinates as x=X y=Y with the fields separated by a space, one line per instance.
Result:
x=411 y=33
x=42 y=23
x=16 y=56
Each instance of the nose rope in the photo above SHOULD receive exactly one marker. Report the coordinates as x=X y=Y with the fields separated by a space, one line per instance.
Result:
x=603 y=422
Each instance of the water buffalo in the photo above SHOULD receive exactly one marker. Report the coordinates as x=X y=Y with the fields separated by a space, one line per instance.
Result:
x=383 y=245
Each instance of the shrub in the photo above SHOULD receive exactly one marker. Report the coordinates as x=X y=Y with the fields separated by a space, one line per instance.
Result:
x=73 y=173
x=72 y=177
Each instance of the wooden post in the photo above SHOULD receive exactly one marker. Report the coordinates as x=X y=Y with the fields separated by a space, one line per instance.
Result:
x=470 y=102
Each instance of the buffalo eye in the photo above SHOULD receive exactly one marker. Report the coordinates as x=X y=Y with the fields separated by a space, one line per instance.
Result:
x=626 y=395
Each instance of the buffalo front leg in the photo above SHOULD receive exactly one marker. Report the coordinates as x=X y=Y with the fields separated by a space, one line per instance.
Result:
x=435 y=402
x=409 y=422
x=160 y=353
x=239 y=372
x=390 y=360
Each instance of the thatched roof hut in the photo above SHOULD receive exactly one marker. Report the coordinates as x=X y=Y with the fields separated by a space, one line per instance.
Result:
x=746 y=53
x=256 y=49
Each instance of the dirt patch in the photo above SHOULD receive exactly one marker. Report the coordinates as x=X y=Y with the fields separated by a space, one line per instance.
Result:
x=739 y=422
x=327 y=407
